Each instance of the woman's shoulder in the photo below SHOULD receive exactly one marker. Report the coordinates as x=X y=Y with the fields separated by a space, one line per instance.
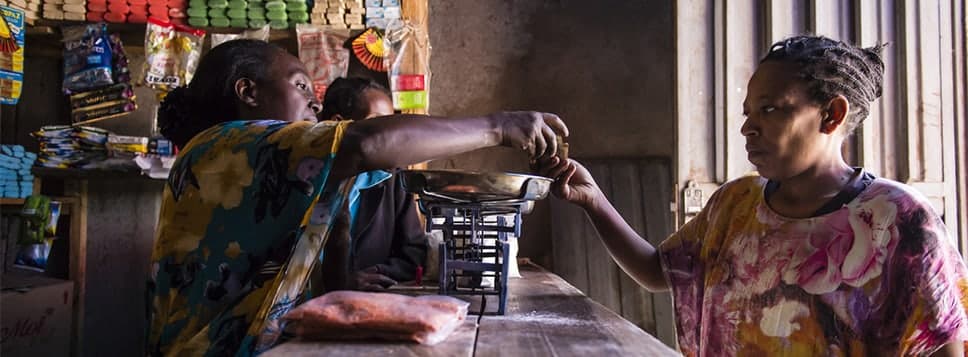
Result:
x=905 y=197
x=749 y=186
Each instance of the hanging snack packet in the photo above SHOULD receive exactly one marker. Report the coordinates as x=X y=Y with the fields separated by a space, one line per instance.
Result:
x=122 y=74
x=324 y=55
x=11 y=54
x=171 y=54
x=408 y=65
x=87 y=58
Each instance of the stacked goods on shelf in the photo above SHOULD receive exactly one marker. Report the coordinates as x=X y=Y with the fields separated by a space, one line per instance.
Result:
x=238 y=13
x=298 y=12
x=197 y=13
x=53 y=10
x=176 y=11
x=379 y=13
x=256 y=14
x=11 y=54
x=16 y=180
x=276 y=14
x=338 y=14
x=74 y=10
x=118 y=11
x=64 y=146
x=31 y=8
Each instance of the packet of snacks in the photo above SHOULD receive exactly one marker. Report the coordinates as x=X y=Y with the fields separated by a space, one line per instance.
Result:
x=324 y=55
x=171 y=54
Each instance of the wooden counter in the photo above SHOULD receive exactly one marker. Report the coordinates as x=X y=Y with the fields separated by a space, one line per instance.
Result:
x=545 y=316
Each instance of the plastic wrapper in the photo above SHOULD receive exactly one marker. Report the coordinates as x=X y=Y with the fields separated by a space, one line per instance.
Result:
x=323 y=54
x=71 y=146
x=407 y=61
x=11 y=54
x=356 y=315
x=88 y=58
x=122 y=73
x=103 y=111
x=109 y=94
x=261 y=34
x=171 y=54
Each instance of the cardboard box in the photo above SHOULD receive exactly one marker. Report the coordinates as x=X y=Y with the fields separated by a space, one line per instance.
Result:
x=37 y=315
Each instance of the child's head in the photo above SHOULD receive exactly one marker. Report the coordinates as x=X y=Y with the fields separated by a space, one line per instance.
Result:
x=355 y=99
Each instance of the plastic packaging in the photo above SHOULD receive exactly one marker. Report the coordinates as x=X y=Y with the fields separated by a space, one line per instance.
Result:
x=408 y=65
x=361 y=315
x=324 y=55
x=171 y=54
x=87 y=58
x=261 y=34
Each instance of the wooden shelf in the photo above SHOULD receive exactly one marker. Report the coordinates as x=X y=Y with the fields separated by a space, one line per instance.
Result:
x=11 y=201
x=44 y=36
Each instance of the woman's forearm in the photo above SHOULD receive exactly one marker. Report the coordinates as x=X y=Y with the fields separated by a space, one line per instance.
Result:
x=633 y=253
x=401 y=140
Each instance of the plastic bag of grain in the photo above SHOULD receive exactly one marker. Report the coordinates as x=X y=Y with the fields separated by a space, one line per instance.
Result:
x=353 y=315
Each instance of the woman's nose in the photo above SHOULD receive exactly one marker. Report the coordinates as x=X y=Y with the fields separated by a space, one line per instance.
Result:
x=315 y=106
x=748 y=129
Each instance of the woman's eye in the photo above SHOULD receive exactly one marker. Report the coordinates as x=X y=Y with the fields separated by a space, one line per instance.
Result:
x=768 y=109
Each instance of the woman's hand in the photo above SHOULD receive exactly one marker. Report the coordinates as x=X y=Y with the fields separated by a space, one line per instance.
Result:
x=533 y=132
x=573 y=183
x=370 y=279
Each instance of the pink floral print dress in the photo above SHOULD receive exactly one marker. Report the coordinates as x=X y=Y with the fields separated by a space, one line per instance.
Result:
x=876 y=275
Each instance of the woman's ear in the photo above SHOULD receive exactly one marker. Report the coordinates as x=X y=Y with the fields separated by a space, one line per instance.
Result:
x=247 y=92
x=835 y=115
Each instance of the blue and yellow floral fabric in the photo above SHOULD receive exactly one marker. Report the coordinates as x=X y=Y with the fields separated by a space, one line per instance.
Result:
x=243 y=220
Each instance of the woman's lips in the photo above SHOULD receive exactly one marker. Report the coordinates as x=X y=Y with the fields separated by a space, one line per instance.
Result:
x=753 y=153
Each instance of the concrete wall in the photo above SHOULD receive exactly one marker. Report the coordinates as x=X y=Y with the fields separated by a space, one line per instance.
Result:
x=605 y=66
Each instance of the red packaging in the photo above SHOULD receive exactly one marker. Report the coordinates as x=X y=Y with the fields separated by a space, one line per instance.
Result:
x=137 y=18
x=118 y=8
x=97 y=2
x=179 y=4
x=176 y=13
x=115 y=17
x=95 y=16
x=138 y=2
x=158 y=11
x=140 y=10
x=94 y=7
x=407 y=82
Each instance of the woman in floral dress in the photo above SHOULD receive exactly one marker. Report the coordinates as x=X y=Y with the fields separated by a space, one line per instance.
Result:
x=250 y=200
x=810 y=256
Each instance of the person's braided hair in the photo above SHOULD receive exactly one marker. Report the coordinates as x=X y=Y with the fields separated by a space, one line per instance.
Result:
x=833 y=68
x=344 y=97
x=210 y=98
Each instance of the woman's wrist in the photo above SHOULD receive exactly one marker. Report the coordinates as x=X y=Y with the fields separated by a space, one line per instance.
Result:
x=595 y=202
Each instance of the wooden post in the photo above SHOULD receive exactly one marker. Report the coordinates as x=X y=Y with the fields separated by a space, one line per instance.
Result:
x=417 y=61
x=76 y=190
